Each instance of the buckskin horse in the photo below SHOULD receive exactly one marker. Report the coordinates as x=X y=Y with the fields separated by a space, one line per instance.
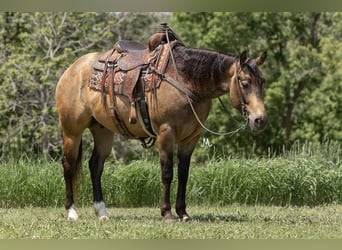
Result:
x=161 y=93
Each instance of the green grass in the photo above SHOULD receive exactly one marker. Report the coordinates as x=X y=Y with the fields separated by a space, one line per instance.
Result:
x=306 y=176
x=209 y=222
x=296 y=195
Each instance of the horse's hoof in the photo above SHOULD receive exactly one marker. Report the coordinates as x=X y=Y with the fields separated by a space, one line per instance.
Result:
x=104 y=218
x=185 y=218
x=169 y=218
x=72 y=218
x=100 y=211
x=72 y=215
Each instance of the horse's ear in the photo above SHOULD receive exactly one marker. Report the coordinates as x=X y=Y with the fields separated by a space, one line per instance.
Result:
x=261 y=59
x=243 y=58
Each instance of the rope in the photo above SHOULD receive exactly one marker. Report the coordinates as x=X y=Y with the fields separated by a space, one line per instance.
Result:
x=231 y=133
x=228 y=113
x=193 y=97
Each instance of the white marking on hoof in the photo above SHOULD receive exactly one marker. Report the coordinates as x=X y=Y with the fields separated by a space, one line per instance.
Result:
x=100 y=210
x=72 y=215
x=186 y=218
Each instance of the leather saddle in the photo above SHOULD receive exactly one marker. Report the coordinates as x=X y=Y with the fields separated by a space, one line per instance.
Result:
x=126 y=54
x=131 y=54
x=118 y=71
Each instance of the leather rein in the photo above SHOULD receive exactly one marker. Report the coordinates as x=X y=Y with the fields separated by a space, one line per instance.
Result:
x=192 y=97
x=243 y=110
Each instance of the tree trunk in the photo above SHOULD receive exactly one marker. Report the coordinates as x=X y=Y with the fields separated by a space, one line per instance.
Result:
x=288 y=117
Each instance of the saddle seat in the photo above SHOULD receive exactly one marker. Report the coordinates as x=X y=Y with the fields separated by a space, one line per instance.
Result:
x=127 y=54
x=128 y=46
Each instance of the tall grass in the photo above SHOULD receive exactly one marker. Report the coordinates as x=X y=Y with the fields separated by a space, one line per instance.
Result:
x=307 y=175
x=31 y=182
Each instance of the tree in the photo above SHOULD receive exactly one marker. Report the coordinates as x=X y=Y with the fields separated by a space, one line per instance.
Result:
x=35 y=50
x=297 y=44
x=303 y=72
x=322 y=110
x=46 y=44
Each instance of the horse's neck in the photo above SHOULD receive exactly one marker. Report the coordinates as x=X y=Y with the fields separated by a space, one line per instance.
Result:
x=220 y=85
x=223 y=87
x=206 y=73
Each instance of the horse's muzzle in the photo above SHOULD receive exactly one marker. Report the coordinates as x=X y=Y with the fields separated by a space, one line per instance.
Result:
x=258 y=122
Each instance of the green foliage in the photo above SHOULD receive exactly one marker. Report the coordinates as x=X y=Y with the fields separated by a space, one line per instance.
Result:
x=45 y=44
x=35 y=49
x=302 y=72
x=38 y=183
x=322 y=113
x=305 y=176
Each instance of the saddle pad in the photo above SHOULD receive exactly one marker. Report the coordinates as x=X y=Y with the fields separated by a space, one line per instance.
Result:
x=124 y=82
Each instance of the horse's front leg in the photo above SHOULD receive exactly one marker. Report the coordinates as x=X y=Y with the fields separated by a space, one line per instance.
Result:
x=184 y=157
x=165 y=147
x=103 y=142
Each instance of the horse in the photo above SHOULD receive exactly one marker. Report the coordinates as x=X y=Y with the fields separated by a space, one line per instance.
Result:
x=178 y=104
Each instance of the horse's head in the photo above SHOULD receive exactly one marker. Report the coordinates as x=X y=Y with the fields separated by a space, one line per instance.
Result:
x=246 y=91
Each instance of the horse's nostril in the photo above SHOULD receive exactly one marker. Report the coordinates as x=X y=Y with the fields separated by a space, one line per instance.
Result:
x=258 y=121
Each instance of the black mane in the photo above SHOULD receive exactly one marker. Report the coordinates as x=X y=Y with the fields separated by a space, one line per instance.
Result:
x=199 y=66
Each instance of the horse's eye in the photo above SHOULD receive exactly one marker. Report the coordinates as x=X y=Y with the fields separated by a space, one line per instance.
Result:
x=245 y=84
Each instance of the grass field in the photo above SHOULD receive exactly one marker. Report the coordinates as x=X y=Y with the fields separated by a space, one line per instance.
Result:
x=208 y=222
x=296 y=195
x=308 y=176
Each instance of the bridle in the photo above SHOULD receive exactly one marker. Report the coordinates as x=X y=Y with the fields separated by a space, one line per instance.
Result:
x=243 y=104
x=242 y=99
x=192 y=97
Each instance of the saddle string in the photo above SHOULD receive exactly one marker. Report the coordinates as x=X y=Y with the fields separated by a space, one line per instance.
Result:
x=171 y=54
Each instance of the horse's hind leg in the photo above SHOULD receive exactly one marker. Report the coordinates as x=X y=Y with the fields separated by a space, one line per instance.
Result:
x=103 y=142
x=72 y=155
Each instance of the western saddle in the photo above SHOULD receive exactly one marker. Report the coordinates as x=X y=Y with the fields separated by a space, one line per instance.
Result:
x=131 y=69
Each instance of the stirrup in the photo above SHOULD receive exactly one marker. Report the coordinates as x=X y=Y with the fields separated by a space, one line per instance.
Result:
x=149 y=143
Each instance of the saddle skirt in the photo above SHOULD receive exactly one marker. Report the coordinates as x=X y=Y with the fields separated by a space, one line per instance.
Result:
x=127 y=69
